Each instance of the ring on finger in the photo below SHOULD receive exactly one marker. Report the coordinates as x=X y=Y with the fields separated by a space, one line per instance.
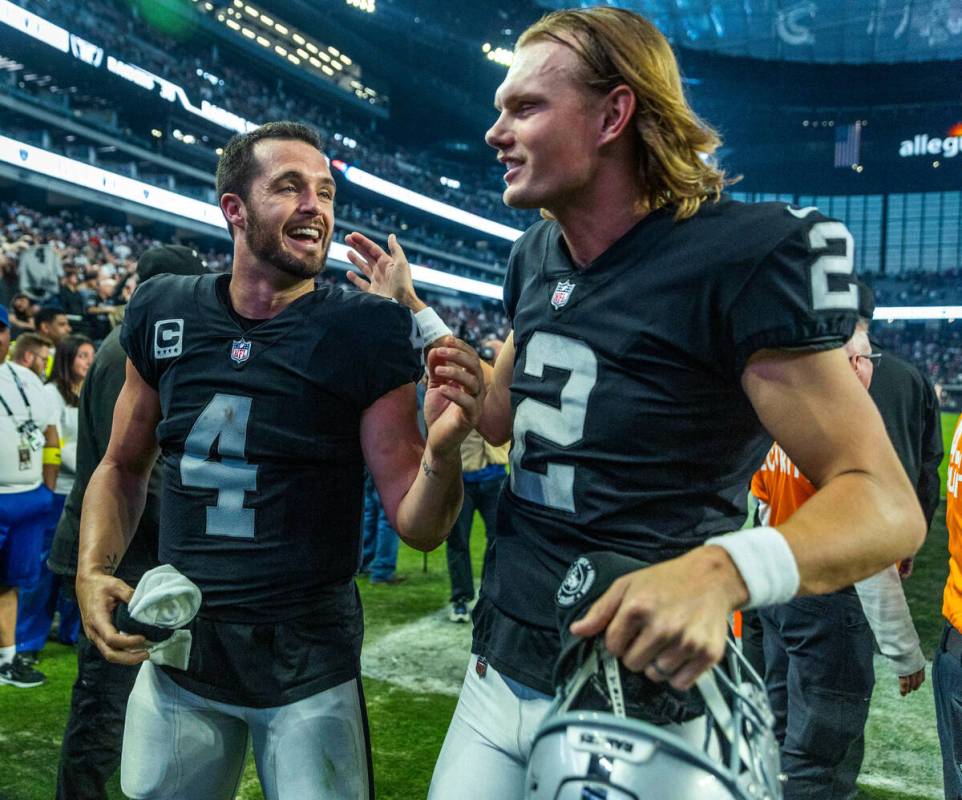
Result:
x=662 y=673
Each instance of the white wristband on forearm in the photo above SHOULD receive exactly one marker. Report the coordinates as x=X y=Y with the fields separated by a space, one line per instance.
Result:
x=766 y=563
x=432 y=327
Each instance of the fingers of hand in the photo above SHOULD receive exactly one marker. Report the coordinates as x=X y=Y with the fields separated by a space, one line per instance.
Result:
x=450 y=355
x=601 y=611
x=118 y=648
x=394 y=247
x=468 y=403
x=359 y=282
x=367 y=248
x=360 y=263
x=451 y=374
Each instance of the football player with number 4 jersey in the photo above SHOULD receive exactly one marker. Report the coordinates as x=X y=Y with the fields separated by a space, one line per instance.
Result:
x=267 y=397
x=662 y=335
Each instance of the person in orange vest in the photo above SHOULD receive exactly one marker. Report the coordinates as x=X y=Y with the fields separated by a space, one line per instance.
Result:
x=947 y=664
x=818 y=650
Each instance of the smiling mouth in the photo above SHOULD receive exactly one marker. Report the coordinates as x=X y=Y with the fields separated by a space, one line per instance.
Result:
x=307 y=236
x=513 y=168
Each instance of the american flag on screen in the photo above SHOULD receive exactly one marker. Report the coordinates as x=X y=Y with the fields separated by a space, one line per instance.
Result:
x=848 y=144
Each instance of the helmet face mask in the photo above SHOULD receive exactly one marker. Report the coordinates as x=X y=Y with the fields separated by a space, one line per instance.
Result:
x=613 y=735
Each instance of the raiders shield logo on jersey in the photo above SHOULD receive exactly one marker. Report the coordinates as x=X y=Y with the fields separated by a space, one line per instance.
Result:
x=580 y=577
x=240 y=351
x=562 y=293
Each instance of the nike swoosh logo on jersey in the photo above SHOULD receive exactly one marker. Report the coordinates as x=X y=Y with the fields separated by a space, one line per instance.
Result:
x=801 y=213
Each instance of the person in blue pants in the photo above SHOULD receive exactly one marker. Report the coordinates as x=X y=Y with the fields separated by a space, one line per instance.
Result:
x=379 y=541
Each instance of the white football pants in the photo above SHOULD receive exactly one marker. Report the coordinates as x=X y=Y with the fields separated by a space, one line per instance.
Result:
x=485 y=753
x=180 y=746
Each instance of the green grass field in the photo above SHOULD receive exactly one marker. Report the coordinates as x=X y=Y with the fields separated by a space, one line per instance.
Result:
x=408 y=727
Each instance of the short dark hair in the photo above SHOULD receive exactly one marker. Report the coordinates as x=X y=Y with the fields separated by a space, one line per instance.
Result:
x=237 y=165
x=47 y=314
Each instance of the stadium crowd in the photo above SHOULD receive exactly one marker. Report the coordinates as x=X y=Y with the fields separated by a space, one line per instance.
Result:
x=97 y=261
x=119 y=28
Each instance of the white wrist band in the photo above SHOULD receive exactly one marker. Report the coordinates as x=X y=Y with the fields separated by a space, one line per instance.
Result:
x=432 y=327
x=766 y=563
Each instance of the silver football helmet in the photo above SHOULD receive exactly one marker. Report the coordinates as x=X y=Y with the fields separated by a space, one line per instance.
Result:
x=712 y=743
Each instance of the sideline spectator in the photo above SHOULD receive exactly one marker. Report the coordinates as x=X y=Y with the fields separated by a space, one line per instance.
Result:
x=71 y=363
x=483 y=469
x=32 y=351
x=52 y=323
x=380 y=540
x=29 y=457
x=947 y=663
x=90 y=752
x=818 y=650
x=909 y=406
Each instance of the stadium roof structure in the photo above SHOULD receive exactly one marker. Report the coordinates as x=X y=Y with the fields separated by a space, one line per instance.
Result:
x=824 y=31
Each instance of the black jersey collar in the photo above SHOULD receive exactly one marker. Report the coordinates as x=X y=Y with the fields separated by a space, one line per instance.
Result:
x=627 y=250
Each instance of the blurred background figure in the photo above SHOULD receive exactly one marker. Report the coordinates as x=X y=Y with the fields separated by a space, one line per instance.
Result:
x=379 y=540
x=484 y=468
x=72 y=359
x=29 y=461
x=91 y=743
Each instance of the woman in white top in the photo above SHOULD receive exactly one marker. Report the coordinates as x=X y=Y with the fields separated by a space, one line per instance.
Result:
x=71 y=361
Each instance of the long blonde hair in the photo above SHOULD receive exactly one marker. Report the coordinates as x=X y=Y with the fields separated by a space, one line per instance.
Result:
x=618 y=47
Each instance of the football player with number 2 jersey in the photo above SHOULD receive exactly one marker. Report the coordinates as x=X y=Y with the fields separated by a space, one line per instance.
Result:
x=267 y=397
x=662 y=335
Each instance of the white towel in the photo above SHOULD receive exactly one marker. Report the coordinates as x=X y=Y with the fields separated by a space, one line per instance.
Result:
x=167 y=599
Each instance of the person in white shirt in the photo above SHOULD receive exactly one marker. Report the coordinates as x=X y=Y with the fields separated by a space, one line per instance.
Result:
x=29 y=462
x=72 y=359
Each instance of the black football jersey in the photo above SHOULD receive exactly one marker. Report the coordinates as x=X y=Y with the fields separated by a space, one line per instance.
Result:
x=631 y=429
x=260 y=436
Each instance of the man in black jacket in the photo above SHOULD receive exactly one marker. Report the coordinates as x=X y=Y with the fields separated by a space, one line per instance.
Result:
x=90 y=753
x=910 y=410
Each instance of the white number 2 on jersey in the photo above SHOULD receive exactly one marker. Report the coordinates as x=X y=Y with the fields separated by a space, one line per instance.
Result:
x=224 y=420
x=820 y=236
x=562 y=427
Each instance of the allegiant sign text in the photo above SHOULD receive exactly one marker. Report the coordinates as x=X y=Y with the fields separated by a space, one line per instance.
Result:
x=923 y=145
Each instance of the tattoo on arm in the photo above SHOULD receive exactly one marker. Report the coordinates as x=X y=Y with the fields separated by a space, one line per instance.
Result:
x=428 y=470
x=113 y=560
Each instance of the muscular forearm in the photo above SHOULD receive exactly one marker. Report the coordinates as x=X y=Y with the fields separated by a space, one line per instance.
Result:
x=856 y=525
x=427 y=512
x=112 y=507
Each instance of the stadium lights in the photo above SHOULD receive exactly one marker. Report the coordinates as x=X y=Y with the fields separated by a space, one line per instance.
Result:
x=25 y=156
x=294 y=40
x=891 y=313
x=363 y=5
x=375 y=184
x=499 y=55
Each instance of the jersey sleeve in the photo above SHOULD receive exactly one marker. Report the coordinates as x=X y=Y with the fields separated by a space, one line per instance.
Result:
x=800 y=295
x=397 y=355
x=135 y=334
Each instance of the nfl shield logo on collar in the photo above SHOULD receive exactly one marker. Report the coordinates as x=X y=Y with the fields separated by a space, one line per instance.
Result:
x=240 y=351
x=562 y=293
